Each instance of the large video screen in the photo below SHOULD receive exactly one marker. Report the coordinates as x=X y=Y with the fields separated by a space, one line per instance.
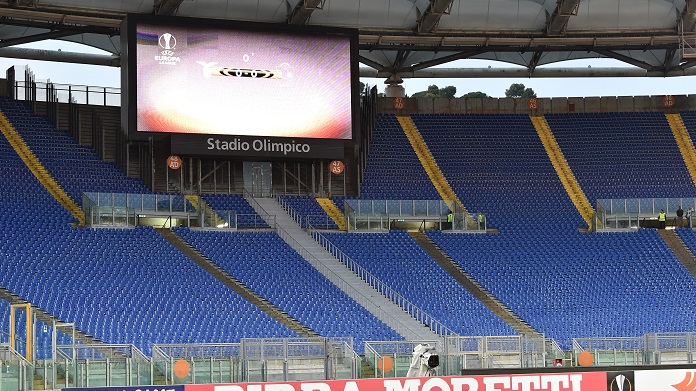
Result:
x=242 y=82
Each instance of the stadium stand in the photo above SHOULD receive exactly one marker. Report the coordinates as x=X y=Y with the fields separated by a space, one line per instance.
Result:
x=622 y=155
x=393 y=170
x=74 y=167
x=265 y=263
x=119 y=285
x=540 y=263
x=498 y=166
x=398 y=261
x=571 y=284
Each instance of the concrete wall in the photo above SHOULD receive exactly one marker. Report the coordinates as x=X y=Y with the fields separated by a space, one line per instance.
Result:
x=544 y=105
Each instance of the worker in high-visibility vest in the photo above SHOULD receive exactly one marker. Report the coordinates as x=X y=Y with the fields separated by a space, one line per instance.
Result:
x=481 y=220
x=449 y=220
x=662 y=218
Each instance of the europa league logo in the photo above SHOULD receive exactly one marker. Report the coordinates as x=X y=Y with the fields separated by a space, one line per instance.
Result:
x=167 y=41
x=621 y=383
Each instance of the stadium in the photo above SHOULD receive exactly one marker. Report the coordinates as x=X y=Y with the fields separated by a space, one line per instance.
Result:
x=242 y=215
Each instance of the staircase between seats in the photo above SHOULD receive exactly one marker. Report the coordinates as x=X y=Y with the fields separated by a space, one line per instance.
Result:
x=334 y=213
x=236 y=285
x=470 y=284
x=39 y=171
x=565 y=174
x=683 y=253
x=686 y=146
x=426 y=158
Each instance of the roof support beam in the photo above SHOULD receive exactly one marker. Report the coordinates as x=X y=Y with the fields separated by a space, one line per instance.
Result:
x=431 y=16
x=669 y=57
x=470 y=73
x=37 y=37
x=166 y=7
x=557 y=23
x=303 y=10
x=60 y=56
x=534 y=61
x=443 y=60
x=688 y=16
x=626 y=59
x=379 y=67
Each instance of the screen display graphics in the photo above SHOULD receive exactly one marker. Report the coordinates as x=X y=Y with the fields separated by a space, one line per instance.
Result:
x=213 y=81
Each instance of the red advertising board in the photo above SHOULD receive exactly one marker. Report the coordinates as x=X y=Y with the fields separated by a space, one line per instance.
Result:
x=566 y=381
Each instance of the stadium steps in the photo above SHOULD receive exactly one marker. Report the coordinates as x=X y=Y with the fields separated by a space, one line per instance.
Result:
x=426 y=158
x=571 y=185
x=332 y=210
x=236 y=285
x=39 y=171
x=207 y=210
x=679 y=248
x=686 y=146
x=340 y=275
x=470 y=284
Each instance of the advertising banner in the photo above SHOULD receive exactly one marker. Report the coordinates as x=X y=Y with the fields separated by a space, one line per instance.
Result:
x=570 y=381
x=665 y=380
x=137 y=388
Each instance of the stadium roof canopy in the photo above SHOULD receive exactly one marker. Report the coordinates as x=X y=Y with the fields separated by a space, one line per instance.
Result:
x=406 y=38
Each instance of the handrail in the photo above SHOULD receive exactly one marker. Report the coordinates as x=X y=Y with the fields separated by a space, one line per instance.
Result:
x=290 y=210
x=358 y=296
x=267 y=217
x=157 y=351
x=381 y=287
x=13 y=354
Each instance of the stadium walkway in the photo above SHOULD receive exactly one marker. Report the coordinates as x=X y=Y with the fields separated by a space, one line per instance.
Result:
x=381 y=307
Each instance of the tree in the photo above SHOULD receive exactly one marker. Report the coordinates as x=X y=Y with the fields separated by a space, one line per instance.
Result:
x=448 y=92
x=517 y=90
x=434 y=91
x=477 y=94
x=362 y=87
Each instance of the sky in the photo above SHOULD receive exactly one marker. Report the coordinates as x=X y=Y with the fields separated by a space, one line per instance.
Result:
x=102 y=76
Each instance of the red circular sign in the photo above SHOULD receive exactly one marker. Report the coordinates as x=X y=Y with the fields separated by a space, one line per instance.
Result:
x=399 y=103
x=336 y=167
x=668 y=101
x=533 y=103
x=174 y=162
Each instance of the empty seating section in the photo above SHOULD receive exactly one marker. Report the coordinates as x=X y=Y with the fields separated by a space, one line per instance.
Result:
x=393 y=170
x=127 y=286
x=309 y=209
x=497 y=165
x=398 y=261
x=265 y=263
x=622 y=155
x=122 y=286
x=571 y=284
x=235 y=203
x=563 y=282
x=76 y=168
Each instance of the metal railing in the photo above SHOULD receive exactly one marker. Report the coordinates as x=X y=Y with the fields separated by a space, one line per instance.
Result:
x=342 y=284
x=633 y=213
x=267 y=217
x=15 y=369
x=65 y=93
x=294 y=214
x=381 y=287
